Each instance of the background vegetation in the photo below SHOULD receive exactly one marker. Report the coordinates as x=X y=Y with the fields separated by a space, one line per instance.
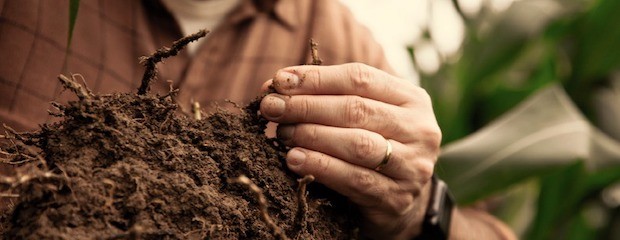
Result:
x=506 y=58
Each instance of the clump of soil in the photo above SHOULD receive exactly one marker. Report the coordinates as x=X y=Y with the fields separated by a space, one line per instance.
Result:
x=130 y=166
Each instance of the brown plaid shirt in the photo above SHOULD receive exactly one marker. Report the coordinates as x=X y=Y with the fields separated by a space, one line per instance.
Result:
x=254 y=40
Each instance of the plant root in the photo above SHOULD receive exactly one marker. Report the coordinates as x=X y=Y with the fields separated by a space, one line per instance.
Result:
x=150 y=62
x=262 y=204
x=314 y=52
x=82 y=92
x=302 y=204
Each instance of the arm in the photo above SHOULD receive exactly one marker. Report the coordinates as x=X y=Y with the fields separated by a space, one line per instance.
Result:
x=469 y=223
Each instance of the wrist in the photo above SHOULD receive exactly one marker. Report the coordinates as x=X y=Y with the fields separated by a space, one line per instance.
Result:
x=437 y=218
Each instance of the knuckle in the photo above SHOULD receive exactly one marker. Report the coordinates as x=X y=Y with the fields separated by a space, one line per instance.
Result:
x=301 y=107
x=360 y=75
x=363 y=146
x=311 y=135
x=364 y=181
x=424 y=174
x=357 y=111
x=322 y=164
x=431 y=139
x=422 y=96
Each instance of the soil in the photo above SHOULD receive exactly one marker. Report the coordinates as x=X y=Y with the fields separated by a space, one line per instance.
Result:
x=131 y=166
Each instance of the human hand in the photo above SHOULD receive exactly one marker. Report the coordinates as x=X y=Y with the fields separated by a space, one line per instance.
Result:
x=337 y=119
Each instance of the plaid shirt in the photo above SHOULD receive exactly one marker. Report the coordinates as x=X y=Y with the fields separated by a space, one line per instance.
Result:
x=253 y=41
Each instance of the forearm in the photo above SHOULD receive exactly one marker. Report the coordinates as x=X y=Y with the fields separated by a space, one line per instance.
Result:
x=469 y=223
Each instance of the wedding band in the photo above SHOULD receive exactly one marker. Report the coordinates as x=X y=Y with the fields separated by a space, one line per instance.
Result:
x=386 y=158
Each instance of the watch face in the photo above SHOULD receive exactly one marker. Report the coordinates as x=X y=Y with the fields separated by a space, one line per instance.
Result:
x=439 y=213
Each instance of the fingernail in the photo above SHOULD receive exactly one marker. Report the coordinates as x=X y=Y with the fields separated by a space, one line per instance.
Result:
x=285 y=133
x=273 y=106
x=286 y=80
x=295 y=157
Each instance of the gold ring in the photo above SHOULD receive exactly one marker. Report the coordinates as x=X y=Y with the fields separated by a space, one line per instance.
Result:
x=388 y=154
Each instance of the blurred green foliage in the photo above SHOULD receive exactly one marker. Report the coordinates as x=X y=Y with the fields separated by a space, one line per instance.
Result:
x=74 y=6
x=506 y=58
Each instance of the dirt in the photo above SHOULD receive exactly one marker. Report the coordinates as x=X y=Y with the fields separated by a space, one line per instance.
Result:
x=131 y=166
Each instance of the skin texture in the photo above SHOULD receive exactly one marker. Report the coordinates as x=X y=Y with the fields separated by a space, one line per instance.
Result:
x=337 y=119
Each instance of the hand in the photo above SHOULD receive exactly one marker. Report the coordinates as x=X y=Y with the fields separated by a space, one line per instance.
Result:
x=337 y=119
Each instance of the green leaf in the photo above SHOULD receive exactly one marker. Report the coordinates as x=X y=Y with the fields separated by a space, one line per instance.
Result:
x=596 y=51
x=74 y=6
x=560 y=193
x=502 y=153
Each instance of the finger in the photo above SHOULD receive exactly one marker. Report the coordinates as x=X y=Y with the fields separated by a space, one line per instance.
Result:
x=356 y=146
x=364 y=187
x=340 y=111
x=347 y=79
x=266 y=85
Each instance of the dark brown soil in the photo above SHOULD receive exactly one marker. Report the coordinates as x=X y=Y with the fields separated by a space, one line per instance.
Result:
x=130 y=166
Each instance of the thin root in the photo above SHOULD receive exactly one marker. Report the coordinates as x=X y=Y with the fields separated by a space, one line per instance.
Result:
x=314 y=52
x=302 y=204
x=81 y=91
x=9 y=195
x=262 y=204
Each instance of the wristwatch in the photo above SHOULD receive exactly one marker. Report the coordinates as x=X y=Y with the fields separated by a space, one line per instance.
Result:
x=436 y=224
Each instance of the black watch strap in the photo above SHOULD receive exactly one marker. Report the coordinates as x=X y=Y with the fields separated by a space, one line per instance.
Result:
x=436 y=224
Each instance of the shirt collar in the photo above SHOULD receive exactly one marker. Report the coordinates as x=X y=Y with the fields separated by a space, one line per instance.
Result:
x=284 y=11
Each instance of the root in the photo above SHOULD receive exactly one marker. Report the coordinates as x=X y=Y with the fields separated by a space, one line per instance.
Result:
x=149 y=62
x=9 y=185
x=13 y=134
x=172 y=92
x=60 y=110
x=196 y=111
x=302 y=204
x=21 y=143
x=9 y=195
x=81 y=91
x=207 y=229
x=262 y=204
x=314 y=52
x=14 y=182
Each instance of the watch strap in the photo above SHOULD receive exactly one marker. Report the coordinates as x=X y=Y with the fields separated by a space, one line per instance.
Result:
x=438 y=216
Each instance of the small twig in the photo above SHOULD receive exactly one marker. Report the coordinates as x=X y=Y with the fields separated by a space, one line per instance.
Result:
x=75 y=87
x=75 y=75
x=172 y=92
x=262 y=204
x=302 y=204
x=150 y=62
x=314 y=52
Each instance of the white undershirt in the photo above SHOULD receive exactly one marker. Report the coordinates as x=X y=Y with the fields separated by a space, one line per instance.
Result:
x=194 y=15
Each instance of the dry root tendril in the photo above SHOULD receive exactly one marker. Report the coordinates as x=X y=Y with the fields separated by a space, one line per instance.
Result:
x=150 y=62
x=82 y=92
x=262 y=204
x=314 y=53
x=302 y=205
